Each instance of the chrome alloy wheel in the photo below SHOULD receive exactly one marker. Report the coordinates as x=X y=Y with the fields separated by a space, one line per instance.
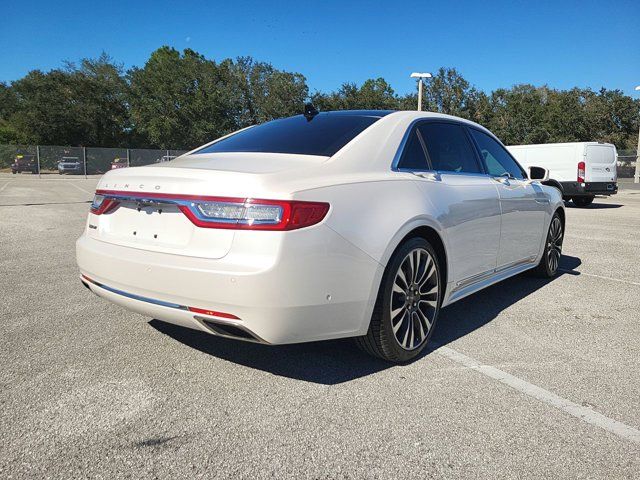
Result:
x=414 y=299
x=554 y=244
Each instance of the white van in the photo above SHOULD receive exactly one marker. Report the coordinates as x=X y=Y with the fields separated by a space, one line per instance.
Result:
x=584 y=169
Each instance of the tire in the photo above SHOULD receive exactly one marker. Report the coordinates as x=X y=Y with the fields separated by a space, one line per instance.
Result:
x=550 y=261
x=582 y=201
x=14 y=171
x=406 y=310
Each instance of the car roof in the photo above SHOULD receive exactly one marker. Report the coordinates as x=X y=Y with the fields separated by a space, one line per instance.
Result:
x=358 y=113
x=403 y=114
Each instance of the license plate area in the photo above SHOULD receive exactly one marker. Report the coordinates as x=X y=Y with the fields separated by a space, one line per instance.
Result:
x=159 y=227
x=148 y=223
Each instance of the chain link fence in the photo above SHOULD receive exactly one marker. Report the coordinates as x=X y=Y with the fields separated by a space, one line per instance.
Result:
x=627 y=163
x=52 y=159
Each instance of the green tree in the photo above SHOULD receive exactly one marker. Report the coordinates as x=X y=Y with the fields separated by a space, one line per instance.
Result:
x=612 y=117
x=374 y=94
x=449 y=92
x=83 y=105
x=184 y=100
x=517 y=115
x=8 y=106
x=262 y=93
x=179 y=100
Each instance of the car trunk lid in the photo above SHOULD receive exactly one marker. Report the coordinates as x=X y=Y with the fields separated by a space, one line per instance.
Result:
x=148 y=214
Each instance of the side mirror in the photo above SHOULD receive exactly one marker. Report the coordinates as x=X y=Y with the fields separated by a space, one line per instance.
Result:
x=538 y=173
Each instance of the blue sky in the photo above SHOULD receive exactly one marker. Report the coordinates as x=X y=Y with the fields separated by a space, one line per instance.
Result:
x=493 y=44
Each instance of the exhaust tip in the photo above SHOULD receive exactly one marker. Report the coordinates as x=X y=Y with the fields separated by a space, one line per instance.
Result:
x=229 y=331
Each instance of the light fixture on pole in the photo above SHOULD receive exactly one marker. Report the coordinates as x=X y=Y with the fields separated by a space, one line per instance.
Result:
x=420 y=77
x=636 y=176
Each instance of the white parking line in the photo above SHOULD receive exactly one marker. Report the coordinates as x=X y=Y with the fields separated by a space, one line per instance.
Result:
x=583 y=413
x=4 y=186
x=81 y=189
x=628 y=282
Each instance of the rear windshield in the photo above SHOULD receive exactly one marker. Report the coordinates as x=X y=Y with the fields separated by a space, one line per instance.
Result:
x=324 y=135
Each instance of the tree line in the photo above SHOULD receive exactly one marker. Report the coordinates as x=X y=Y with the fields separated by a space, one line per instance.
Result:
x=182 y=100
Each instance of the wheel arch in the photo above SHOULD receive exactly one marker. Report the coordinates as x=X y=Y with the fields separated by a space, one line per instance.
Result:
x=434 y=237
x=561 y=213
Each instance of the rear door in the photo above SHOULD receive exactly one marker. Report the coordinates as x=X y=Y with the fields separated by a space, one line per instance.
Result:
x=600 y=163
x=465 y=198
x=523 y=204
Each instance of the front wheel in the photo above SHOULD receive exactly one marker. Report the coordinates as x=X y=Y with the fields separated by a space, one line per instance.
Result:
x=408 y=304
x=582 y=201
x=550 y=260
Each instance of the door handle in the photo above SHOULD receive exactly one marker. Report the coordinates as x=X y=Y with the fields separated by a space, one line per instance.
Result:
x=433 y=176
x=504 y=178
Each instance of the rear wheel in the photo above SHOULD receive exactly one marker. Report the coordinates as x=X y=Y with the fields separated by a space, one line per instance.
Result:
x=407 y=306
x=582 y=201
x=550 y=260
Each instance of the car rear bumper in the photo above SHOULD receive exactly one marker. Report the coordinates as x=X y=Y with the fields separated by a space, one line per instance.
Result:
x=575 y=189
x=317 y=286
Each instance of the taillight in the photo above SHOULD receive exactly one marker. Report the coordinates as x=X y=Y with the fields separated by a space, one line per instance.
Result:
x=252 y=214
x=225 y=212
x=581 y=172
x=102 y=204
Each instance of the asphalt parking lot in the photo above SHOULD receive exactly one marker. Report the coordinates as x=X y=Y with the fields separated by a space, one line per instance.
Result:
x=528 y=379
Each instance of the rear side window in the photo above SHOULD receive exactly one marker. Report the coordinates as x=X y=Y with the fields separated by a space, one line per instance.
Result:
x=449 y=148
x=323 y=135
x=600 y=154
x=413 y=157
x=495 y=156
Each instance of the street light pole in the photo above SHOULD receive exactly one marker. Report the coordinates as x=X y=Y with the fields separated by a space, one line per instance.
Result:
x=420 y=77
x=636 y=176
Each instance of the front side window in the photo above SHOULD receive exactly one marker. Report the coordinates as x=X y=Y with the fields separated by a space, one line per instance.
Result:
x=413 y=157
x=495 y=156
x=449 y=148
x=323 y=135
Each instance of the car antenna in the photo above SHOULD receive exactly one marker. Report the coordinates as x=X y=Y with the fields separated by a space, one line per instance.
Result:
x=310 y=111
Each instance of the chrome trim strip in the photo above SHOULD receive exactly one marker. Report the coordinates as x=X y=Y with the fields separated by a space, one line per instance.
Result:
x=193 y=206
x=517 y=263
x=490 y=273
x=136 y=297
x=405 y=138
x=474 y=278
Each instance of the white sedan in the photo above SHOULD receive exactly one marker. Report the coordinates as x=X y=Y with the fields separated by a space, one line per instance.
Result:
x=325 y=225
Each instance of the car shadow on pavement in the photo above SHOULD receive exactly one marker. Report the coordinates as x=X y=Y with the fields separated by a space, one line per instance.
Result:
x=328 y=363
x=475 y=311
x=337 y=361
x=596 y=206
